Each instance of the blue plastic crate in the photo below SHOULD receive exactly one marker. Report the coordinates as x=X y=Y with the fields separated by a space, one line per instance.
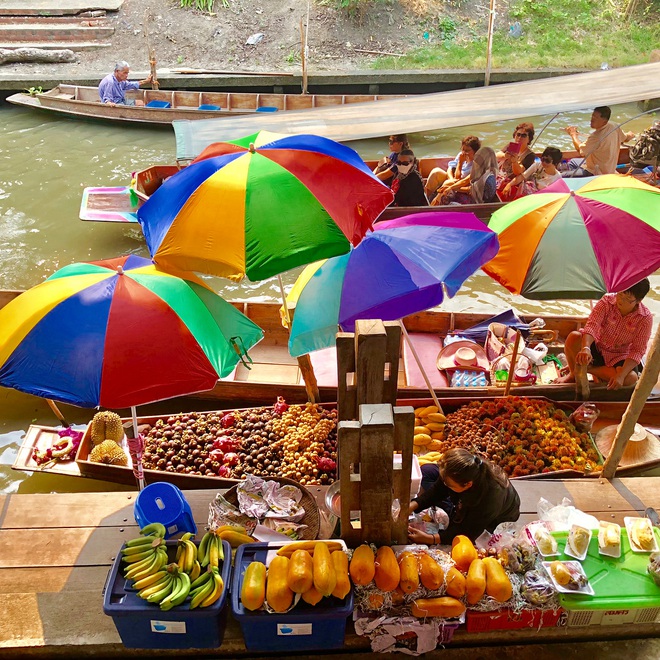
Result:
x=304 y=628
x=142 y=625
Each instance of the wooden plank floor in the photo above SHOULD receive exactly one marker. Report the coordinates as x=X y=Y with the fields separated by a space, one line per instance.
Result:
x=56 y=550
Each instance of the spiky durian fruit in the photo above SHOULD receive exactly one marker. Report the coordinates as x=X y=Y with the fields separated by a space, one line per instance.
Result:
x=108 y=452
x=107 y=425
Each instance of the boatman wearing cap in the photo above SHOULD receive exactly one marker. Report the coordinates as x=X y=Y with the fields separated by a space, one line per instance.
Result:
x=113 y=87
x=614 y=339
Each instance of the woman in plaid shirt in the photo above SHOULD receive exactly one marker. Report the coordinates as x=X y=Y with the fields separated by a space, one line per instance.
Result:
x=614 y=339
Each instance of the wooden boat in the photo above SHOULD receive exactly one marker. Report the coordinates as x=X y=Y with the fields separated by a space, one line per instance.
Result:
x=274 y=372
x=120 y=203
x=41 y=437
x=163 y=106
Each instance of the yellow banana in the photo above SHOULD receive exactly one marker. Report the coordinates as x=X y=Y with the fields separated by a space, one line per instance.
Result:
x=140 y=541
x=202 y=593
x=159 y=560
x=196 y=570
x=162 y=593
x=131 y=550
x=203 y=550
x=216 y=593
x=139 y=556
x=154 y=529
x=140 y=565
x=166 y=603
x=138 y=585
x=200 y=580
x=191 y=557
x=214 y=554
x=156 y=587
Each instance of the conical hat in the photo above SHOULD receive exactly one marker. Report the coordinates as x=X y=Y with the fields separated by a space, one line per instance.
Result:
x=643 y=446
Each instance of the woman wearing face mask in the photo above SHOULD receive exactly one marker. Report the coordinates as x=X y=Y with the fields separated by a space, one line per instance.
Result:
x=475 y=494
x=387 y=167
x=540 y=175
x=408 y=187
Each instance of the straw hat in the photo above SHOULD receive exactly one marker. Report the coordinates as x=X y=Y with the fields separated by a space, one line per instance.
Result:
x=463 y=354
x=643 y=446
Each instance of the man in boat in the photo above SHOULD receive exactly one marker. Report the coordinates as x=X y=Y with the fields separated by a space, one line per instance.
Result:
x=614 y=339
x=112 y=89
x=600 y=152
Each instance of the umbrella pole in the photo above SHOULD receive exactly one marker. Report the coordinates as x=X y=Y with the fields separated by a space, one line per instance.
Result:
x=138 y=455
x=304 y=362
x=58 y=413
x=421 y=367
x=512 y=368
x=639 y=396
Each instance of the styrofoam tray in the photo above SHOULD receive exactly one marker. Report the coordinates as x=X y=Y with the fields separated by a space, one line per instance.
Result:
x=588 y=590
x=568 y=549
x=609 y=551
x=629 y=520
x=530 y=533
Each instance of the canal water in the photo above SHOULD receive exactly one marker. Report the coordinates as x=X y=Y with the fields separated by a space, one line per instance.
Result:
x=45 y=163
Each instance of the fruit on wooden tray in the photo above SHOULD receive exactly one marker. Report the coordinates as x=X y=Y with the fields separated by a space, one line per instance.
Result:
x=278 y=594
x=444 y=606
x=498 y=584
x=106 y=425
x=325 y=578
x=476 y=581
x=108 y=452
x=463 y=552
x=298 y=441
x=363 y=566
x=388 y=575
x=253 y=589
x=431 y=574
x=300 y=577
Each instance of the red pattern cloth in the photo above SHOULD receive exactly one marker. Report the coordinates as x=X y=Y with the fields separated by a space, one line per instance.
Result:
x=619 y=337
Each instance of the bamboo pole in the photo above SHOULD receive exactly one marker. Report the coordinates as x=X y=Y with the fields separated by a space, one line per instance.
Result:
x=582 y=390
x=489 y=49
x=58 y=413
x=152 y=54
x=512 y=367
x=643 y=389
x=304 y=361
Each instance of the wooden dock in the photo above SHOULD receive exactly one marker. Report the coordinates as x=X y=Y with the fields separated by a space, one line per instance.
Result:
x=56 y=550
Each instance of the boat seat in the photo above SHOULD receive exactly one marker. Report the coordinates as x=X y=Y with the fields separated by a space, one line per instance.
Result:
x=427 y=346
x=267 y=108
x=209 y=106
x=324 y=363
x=158 y=104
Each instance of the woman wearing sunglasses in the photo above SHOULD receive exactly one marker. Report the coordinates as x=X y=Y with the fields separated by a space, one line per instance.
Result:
x=540 y=175
x=515 y=159
x=387 y=167
x=407 y=186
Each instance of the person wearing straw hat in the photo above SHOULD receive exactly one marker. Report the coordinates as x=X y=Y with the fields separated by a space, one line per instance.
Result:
x=614 y=339
x=475 y=493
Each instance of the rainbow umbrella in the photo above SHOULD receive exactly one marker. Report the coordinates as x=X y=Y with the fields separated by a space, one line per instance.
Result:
x=119 y=333
x=398 y=269
x=579 y=238
x=261 y=206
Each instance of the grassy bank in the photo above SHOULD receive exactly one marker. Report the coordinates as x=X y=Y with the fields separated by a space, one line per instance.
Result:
x=554 y=33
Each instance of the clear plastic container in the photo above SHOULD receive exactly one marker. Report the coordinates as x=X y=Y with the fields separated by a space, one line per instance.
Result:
x=584 y=417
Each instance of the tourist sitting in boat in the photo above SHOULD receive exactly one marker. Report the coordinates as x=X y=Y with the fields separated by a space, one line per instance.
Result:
x=480 y=188
x=475 y=494
x=457 y=169
x=112 y=89
x=599 y=153
x=407 y=186
x=614 y=339
x=387 y=167
x=540 y=175
x=515 y=159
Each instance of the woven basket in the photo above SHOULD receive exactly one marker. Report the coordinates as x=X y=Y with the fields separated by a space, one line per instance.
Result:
x=502 y=383
x=308 y=503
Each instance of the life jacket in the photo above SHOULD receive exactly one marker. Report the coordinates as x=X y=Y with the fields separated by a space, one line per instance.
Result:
x=646 y=151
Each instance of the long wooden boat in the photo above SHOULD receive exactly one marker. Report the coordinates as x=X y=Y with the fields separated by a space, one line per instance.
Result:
x=163 y=106
x=42 y=437
x=120 y=203
x=274 y=372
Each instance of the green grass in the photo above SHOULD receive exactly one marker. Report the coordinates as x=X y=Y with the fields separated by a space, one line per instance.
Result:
x=556 y=33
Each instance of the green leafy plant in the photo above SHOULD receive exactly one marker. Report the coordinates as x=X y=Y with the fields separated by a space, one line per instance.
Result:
x=202 y=5
x=179 y=59
x=33 y=91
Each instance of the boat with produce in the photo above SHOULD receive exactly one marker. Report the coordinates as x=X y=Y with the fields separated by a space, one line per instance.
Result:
x=528 y=437
x=274 y=372
x=120 y=203
x=162 y=106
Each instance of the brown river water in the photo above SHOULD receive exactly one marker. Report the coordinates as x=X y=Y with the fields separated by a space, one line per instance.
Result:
x=44 y=165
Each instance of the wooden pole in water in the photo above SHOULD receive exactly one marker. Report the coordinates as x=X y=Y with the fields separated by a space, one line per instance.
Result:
x=489 y=50
x=512 y=367
x=637 y=401
x=58 y=413
x=152 y=55
x=303 y=50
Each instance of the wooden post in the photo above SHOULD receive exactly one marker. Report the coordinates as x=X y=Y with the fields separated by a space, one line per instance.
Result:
x=512 y=367
x=58 y=413
x=489 y=48
x=347 y=408
x=642 y=390
x=404 y=425
x=348 y=447
x=582 y=390
x=152 y=53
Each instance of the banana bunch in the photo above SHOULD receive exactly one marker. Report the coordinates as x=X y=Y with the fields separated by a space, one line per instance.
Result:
x=429 y=429
x=207 y=588
x=186 y=556
x=168 y=587
x=146 y=554
x=210 y=551
x=430 y=457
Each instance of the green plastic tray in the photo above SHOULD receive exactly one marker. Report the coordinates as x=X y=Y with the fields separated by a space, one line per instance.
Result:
x=621 y=583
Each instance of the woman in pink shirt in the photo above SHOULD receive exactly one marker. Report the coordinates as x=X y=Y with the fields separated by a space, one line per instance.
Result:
x=614 y=340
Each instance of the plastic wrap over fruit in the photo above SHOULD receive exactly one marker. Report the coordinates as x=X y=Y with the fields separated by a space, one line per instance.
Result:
x=537 y=589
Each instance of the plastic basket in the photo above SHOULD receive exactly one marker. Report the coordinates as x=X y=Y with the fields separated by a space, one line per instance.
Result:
x=164 y=503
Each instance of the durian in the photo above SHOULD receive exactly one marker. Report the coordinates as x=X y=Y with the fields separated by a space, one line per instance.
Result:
x=578 y=540
x=545 y=542
x=107 y=425
x=108 y=452
x=642 y=535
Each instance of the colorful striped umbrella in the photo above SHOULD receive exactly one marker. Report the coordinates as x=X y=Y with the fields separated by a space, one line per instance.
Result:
x=119 y=333
x=398 y=269
x=261 y=206
x=579 y=238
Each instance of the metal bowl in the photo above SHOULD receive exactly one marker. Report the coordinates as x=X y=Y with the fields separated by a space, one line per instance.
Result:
x=332 y=499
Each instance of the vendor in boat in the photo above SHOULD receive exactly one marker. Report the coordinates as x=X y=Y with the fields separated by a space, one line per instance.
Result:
x=408 y=187
x=614 y=339
x=599 y=153
x=387 y=167
x=475 y=494
x=112 y=89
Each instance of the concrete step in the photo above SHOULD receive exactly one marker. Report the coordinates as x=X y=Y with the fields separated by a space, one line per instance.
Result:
x=55 y=7
x=49 y=32
x=59 y=45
